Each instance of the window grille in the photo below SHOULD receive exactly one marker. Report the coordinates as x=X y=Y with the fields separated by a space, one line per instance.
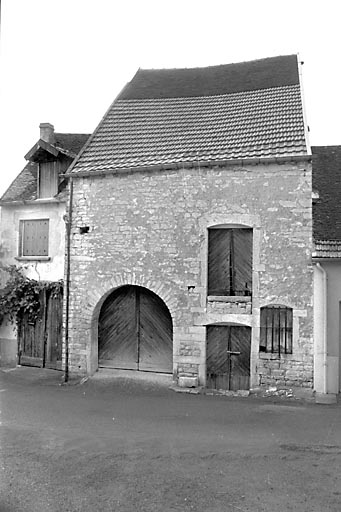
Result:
x=276 y=330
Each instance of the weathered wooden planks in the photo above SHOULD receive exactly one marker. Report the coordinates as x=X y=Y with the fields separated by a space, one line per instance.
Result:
x=40 y=342
x=135 y=331
x=228 y=357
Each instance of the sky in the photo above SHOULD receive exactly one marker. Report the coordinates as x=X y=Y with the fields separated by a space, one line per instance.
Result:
x=65 y=61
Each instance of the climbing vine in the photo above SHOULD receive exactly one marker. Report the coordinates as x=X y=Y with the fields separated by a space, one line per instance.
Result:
x=22 y=296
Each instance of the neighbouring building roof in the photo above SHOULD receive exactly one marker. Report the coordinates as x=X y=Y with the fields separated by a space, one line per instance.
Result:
x=170 y=117
x=326 y=163
x=24 y=187
x=327 y=249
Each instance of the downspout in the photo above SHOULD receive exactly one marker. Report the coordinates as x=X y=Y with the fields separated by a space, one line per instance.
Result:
x=67 y=280
x=325 y=362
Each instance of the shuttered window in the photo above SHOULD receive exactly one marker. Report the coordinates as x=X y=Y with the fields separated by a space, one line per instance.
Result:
x=34 y=237
x=230 y=261
x=48 y=179
x=276 y=330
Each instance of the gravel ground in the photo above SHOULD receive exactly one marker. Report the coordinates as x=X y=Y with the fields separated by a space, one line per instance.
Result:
x=126 y=445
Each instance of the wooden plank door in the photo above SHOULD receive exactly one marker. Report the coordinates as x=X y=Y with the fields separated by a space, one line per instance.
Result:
x=117 y=330
x=228 y=357
x=155 y=334
x=53 y=336
x=31 y=338
x=240 y=347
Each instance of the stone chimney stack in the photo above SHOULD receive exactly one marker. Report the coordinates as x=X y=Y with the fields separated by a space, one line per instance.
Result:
x=47 y=132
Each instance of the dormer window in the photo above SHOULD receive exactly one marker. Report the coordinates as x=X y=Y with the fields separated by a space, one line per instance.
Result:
x=48 y=179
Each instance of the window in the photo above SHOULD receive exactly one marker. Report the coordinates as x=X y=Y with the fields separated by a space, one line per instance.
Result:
x=276 y=330
x=48 y=179
x=34 y=237
x=230 y=261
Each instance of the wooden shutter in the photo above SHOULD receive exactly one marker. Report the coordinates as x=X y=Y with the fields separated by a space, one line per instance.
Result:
x=34 y=235
x=219 y=241
x=230 y=261
x=242 y=260
x=48 y=179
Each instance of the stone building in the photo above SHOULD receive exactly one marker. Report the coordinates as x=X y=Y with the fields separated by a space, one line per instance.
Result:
x=191 y=230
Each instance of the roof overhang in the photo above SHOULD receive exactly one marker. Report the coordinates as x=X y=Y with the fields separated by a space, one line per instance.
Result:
x=42 y=151
x=47 y=200
x=185 y=165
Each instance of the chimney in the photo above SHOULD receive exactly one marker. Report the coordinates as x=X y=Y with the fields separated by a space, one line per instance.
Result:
x=47 y=132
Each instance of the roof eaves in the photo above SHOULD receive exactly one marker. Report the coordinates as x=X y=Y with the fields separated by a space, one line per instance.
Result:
x=88 y=142
x=17 y=202
x=193 y=163
x=326 y=250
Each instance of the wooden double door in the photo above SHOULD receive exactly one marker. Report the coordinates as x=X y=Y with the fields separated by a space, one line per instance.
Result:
x=228 y=357
x=135 y=331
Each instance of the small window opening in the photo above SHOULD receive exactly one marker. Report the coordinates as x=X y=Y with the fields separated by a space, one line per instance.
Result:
x=84 y=229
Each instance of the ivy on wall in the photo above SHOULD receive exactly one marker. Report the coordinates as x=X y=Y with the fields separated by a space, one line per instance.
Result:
x=20 y=295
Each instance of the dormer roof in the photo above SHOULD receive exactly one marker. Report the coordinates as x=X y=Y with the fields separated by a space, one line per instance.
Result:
x=24 y=187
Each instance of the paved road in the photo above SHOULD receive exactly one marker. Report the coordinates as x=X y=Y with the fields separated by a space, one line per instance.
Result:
x=128 y=446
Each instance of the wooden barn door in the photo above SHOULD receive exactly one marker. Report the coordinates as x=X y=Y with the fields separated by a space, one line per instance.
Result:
x=155 y=334
x=228 y=357
x=135 y=331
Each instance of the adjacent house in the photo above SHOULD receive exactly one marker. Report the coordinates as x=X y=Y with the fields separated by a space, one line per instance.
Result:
x=191 y=230
x=32 y=222
x=327 y=270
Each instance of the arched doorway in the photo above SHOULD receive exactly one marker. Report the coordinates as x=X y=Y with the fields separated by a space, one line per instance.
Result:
x=228 y=357
x=135 y=331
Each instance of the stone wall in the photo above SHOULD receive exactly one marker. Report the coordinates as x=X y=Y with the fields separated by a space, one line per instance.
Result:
x=150 y=229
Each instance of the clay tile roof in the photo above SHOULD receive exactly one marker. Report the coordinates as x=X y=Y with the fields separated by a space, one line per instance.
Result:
x=24 y=187
x=166 y=117
x=327 y=249
x=326 y=163
x=72 y=142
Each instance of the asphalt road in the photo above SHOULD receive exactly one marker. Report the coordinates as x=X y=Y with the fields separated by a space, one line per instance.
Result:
x=123 y=445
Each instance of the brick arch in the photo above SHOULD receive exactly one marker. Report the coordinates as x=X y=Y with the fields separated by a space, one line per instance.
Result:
x=97 y=297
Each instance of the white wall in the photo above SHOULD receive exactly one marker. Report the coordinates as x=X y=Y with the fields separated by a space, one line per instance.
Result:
x=51 y=270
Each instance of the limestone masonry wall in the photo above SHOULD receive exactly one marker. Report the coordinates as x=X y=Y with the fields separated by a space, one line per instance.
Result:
x=150 y=229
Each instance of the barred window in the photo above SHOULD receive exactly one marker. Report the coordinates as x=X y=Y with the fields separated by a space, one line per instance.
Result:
x=276 y=330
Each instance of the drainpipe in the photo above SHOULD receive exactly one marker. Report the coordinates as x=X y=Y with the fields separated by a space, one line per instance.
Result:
x=325 y=363
x=67 y=280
